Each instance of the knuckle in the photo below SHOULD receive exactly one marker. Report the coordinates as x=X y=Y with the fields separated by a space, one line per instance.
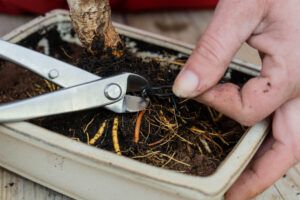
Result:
x=212 y=49
x=247 y=122
x=247 y=118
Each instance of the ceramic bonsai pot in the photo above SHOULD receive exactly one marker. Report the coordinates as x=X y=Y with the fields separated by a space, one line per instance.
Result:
x=85 y=172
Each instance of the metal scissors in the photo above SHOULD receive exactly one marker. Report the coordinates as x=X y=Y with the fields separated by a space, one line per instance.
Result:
x=81 y=89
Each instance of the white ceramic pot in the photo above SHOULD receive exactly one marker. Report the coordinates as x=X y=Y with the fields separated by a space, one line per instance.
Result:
x=84 y=172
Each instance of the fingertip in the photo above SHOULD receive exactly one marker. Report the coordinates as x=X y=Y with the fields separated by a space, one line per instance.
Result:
x=186 y=84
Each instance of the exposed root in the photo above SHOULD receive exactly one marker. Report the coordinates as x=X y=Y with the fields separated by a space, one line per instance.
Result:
x=115 y=136
x=166 y=123
x=178 y=161
x=138 y=126
x=99 y=133
x=51 y=86
x=215 y=116
x=66 y=54
x=149 y=154
x=180 y=63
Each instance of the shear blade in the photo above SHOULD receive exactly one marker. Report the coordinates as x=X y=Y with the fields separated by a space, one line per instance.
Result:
x=135 y=104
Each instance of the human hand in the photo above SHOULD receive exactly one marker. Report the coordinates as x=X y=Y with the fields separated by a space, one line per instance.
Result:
x=271 y=27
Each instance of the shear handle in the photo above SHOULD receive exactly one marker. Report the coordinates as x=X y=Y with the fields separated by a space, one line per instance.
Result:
x=65 y=75
x=106 y=91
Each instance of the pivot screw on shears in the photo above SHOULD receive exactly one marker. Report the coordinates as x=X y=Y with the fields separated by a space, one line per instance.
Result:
x=53 y=73
x=113 y=91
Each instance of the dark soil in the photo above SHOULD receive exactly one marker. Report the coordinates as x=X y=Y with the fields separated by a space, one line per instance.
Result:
x=176 y=134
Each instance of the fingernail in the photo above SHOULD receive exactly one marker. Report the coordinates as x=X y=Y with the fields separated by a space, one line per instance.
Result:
x=186 y=84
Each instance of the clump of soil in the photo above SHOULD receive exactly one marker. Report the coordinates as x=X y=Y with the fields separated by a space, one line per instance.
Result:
x=176 y=134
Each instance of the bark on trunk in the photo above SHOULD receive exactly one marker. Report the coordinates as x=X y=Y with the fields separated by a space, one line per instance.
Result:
x=92 y=19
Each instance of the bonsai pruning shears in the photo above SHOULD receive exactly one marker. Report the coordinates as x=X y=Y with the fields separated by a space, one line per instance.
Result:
x=81 y=89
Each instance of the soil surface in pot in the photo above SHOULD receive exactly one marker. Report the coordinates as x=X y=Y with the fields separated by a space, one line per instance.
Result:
x=173 y=133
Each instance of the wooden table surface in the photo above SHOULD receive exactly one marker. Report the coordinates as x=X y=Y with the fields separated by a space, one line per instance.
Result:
x=186 y=26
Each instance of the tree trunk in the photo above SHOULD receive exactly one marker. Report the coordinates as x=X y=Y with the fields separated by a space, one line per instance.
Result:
x=92 y=22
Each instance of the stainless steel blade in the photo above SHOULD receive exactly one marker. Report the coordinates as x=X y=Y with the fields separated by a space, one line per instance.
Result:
x=135 y=104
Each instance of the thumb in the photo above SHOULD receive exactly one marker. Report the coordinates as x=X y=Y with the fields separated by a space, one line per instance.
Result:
x=233 y=23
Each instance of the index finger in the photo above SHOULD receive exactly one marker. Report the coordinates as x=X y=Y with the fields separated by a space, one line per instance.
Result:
x=257 y=99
